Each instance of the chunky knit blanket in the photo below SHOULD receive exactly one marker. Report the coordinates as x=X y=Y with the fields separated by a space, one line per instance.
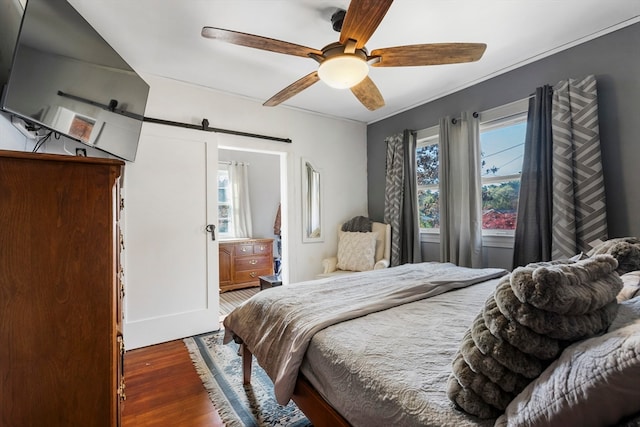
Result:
x=358 y=224
x=534 y=313
x=626 y=250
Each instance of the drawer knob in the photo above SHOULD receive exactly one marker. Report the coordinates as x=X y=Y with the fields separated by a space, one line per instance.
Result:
x=253 y=262
x=253 y=274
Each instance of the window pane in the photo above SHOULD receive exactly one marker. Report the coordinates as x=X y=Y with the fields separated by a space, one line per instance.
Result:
x=429 y=208
x=224 y=211
x=223 y=226
x=427 y=165
x=225 y=205
x=500 y=205
x=502 y=151
x=223 y=186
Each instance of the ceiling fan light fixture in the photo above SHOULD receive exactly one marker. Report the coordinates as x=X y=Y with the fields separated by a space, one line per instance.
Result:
x=343 y=71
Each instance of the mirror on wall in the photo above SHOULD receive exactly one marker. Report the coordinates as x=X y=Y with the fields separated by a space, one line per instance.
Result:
x=311 y=203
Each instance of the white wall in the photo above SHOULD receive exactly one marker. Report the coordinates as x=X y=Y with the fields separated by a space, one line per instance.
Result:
x=337 y=148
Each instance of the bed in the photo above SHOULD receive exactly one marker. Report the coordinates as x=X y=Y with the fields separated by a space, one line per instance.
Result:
x=373 y=348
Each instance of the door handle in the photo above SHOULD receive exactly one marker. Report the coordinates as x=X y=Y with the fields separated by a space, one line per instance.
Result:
x=211 y=229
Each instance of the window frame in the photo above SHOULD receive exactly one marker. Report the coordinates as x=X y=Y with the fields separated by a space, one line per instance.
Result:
x=511 y=113
x=424 y=138
x=230 y=233
x=502 y=116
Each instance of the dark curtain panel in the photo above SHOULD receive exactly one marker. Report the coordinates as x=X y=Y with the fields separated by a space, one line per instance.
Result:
x=410 y=251
x=533 y=224
x=401 y=199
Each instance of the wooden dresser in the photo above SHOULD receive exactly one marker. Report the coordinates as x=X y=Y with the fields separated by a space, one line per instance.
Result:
x=61 y=349
x=243 y=261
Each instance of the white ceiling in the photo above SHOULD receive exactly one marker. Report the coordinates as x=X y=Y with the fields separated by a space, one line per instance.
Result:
x=162 y=37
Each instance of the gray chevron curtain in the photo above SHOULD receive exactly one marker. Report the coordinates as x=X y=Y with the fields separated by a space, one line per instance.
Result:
x=579 y=208
x=561 y=209
x=400 y=198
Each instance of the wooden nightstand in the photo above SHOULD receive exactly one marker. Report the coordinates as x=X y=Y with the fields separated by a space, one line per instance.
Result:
x=267 y=282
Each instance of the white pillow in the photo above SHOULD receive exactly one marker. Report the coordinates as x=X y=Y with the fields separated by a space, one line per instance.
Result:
x=356 y=251
x=593 y=383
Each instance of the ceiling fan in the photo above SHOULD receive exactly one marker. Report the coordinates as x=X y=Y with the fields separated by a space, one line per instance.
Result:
x=345 y=64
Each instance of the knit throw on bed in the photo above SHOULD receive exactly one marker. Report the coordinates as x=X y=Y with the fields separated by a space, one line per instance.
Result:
x=533 y=315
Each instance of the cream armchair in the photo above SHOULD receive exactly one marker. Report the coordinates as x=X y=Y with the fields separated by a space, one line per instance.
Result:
x=382 y=254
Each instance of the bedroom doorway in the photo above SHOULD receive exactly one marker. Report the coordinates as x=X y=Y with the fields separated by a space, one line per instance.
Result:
x=267 y=179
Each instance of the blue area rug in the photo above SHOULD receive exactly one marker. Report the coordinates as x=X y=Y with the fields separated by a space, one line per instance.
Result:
x=220 y=369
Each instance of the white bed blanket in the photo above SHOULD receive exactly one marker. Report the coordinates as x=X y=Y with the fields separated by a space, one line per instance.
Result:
x=277 y=324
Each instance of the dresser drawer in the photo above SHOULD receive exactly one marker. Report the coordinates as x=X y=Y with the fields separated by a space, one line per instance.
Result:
x=244 y=249
x=251 y=275
x=252 y=263
x=262 y=248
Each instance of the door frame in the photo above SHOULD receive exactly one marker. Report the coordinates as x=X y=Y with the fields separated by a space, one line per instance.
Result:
x=283 y=157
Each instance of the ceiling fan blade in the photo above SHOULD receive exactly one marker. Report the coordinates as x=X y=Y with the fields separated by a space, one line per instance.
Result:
x=293 y=89
x=258 y=42
x=368 y=94
x=428 y=54
x=362 y=19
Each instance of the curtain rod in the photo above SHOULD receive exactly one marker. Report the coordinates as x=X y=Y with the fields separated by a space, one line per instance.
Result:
x=476 y=114
x=231 y=162
x=204 y=126
x=455 y=119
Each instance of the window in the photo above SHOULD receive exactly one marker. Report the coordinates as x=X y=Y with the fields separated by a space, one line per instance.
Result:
x=225 y=203
x=427 y=163
x=502 y=135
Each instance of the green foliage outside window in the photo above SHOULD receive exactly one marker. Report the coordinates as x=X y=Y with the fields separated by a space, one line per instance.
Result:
x=427 y=163
x=429 y=209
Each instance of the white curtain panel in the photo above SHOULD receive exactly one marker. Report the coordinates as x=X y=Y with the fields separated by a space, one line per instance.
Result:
x=239 y=177
x=579 y=208
x=460 y=192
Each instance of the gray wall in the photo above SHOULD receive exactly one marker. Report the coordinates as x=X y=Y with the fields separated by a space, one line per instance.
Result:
x=613 y=58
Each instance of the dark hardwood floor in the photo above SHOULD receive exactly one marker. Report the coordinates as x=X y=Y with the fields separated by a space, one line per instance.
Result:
x=163 y=389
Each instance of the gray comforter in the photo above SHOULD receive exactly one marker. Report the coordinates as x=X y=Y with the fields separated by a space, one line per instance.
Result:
x=278 y=324
x=349 y=363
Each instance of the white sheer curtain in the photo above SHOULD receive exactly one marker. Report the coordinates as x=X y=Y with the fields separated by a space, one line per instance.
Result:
x=239 y=178
x=460 y=191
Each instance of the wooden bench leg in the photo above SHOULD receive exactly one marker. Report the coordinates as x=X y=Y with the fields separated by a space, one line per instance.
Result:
x=246 y=364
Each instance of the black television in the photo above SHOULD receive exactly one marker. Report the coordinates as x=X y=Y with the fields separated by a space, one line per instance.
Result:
x=65 y=77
